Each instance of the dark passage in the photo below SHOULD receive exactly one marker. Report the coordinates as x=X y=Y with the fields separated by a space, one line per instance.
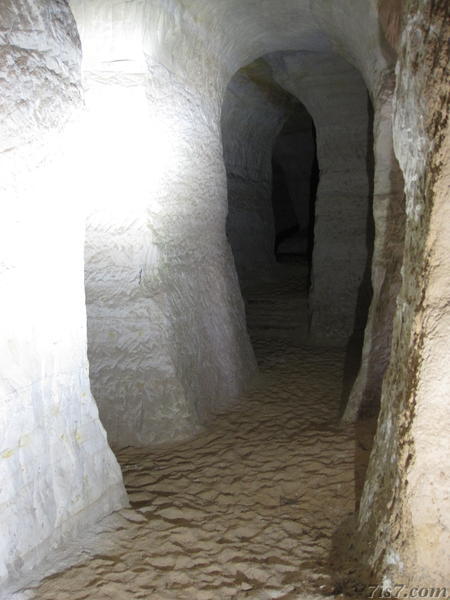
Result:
x=295 y=178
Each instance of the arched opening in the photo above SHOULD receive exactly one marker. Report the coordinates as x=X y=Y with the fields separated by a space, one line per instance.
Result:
x=296 y=129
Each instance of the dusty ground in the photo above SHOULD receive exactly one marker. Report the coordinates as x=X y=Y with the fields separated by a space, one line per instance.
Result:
x=248 y=508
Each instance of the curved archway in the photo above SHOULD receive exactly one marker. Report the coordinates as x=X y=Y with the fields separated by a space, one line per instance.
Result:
x=336 y=97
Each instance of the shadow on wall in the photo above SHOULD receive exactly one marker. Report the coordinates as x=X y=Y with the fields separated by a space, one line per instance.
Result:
x=295 y=176
x=353 y=355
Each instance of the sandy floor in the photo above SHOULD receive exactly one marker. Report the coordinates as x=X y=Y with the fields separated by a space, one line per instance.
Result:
x=247 y=509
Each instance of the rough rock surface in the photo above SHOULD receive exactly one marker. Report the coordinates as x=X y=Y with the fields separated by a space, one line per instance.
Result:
x=57 y=472
x=389 y=219
x=404 y=518
x=166 y=332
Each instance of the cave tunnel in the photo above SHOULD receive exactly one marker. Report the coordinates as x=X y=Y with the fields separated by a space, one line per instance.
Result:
x=274 y=155
x=295 y=178
x=224 y=277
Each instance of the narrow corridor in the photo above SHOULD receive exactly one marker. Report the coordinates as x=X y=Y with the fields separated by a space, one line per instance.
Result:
x=246 y=509
x=155 y=154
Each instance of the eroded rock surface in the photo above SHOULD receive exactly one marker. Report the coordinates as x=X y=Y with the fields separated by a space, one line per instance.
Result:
x=57 y=471
x=167 y=341
x=403 y=522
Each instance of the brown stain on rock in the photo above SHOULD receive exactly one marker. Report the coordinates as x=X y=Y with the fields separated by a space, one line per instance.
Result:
x=390 y=13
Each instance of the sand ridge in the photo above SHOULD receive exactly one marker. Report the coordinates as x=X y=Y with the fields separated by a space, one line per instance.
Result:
x=248 y=508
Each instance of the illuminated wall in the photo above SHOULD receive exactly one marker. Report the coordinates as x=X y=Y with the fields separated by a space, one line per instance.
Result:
x=57 y=471
x=167 y=341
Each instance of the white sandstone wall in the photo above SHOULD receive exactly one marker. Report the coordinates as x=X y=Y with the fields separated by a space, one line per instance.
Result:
x=389 y=219
x=57 y=472
x=365 y=47
x=166 y=332
x=336 y=97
